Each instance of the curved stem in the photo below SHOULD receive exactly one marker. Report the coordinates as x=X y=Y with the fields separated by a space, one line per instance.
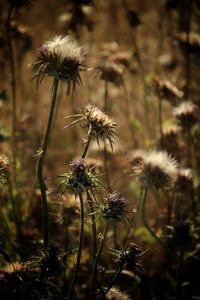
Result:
x=13 y=85
x=143 y=218
x=40 y=163
x=115 y=278
x=70 y=294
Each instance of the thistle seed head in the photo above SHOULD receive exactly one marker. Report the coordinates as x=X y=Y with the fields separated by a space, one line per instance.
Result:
x=61 y=57
x=187 y=114
x=157 y=170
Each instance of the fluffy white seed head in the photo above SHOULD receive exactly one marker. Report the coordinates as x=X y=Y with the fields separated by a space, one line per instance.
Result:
x=64 y=48
x=158 y=169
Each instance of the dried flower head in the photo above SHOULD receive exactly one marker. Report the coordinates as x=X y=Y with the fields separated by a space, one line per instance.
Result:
x=110 y=72
x=187 y=114
x=116 y=294
x=97 y=123
x=4 y=170
x=183 y=182
x=78 y=179
x=135 y=157
x=60 y=57
x=166 y=90
x=157 y=170
x=115 y=206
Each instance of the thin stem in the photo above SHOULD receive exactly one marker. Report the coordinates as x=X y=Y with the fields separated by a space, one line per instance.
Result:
x=5 y=255
x=87 y=144
x=94 y=229
x=70 y=294
x=40 y=163
x=143 y=218
x=13 y=86
x=98 y=253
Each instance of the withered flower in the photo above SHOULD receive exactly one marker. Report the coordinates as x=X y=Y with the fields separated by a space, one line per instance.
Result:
x=4 y=170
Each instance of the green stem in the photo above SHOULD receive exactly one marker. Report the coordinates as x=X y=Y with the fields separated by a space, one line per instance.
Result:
x=70 y=294
x=97 y=256
x=143 y=218
x=40 y=164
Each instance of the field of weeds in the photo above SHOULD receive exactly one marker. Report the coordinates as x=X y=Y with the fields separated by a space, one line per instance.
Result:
x=99 y=149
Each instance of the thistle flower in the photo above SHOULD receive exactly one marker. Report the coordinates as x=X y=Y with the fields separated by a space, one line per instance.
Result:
x=171 y=140
x=60 y=57
x=97 y=123
x=115 y=206
x=110 y=72
x=186 y=114
x=157 y=170
x=166 y=90
x=4 y=170
x=181 y=234
x=116 y=294
x=78 y=179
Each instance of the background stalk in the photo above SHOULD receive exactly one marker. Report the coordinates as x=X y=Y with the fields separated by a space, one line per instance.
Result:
x=143 y=218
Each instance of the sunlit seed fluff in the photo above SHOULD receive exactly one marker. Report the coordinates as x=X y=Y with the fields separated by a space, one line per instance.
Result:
x=65 y=48
x=186 y=114
x=158 y=170
x=60 y=57
x=116 y=294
